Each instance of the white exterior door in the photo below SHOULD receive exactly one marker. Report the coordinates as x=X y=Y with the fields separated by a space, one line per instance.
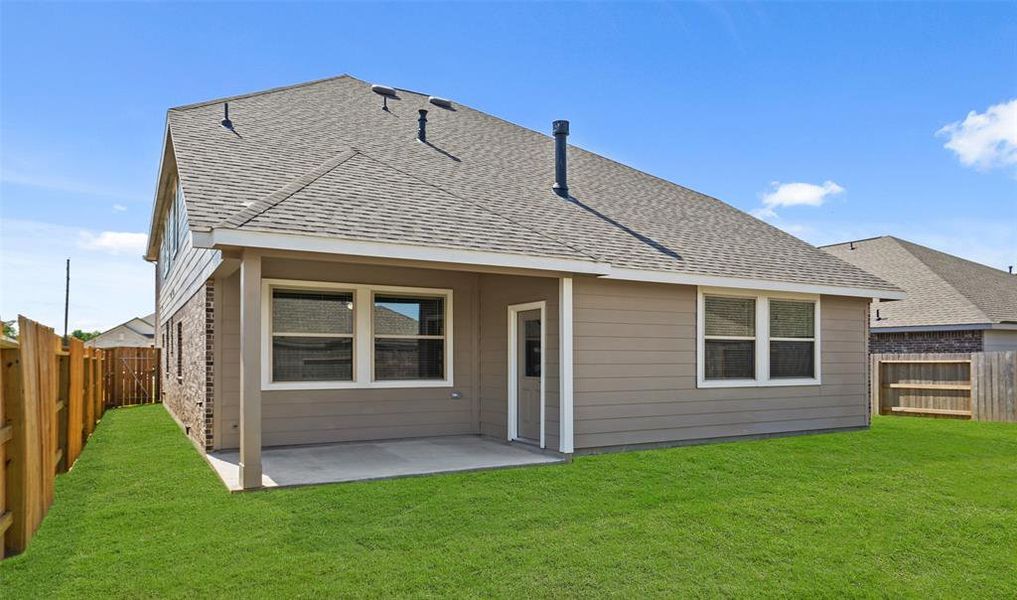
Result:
x=528 y=364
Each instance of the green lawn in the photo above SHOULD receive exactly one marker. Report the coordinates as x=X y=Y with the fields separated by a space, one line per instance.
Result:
x=914 y=507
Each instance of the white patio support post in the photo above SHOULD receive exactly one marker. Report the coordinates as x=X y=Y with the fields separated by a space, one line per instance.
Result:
x=565 y=376
x=250 y=371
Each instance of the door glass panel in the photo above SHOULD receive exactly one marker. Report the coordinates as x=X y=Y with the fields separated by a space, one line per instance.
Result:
x=532 y=348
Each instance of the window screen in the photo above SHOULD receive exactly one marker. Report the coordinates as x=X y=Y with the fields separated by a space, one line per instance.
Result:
x=792 y=339
x=312 y=335
x=409 y=337
x=730 y=337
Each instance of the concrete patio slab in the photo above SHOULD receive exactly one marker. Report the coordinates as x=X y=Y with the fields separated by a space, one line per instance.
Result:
x=358 y=461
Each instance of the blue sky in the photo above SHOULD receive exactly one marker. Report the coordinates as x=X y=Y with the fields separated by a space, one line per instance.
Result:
x=854 y=102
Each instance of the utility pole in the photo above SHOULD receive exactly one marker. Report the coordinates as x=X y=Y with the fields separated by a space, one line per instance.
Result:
x=67 y=298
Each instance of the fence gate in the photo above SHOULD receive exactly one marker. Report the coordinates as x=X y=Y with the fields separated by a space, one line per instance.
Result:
x=131 y=376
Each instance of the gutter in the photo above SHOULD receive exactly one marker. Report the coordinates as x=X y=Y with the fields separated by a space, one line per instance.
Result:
x=955 y=327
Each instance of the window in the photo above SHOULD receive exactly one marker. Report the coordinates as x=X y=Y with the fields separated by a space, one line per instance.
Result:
x=750 y=339
x=730 y=336
x=531 y=350
x=180 y=350
x=312 y=335
x=174 y=231
x=319 y=335
x=792 y=339
x=409 y=337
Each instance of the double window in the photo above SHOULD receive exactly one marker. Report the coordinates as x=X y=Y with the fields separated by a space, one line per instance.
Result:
x=750 y=339
x=323 y=335
x=174 y=230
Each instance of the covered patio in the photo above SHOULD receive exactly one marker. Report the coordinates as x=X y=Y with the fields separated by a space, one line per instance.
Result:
x=361 y=461
x=329 y=369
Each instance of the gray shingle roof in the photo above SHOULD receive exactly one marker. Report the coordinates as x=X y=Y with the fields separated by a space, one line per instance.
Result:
x=941 y=289
x=324 y=159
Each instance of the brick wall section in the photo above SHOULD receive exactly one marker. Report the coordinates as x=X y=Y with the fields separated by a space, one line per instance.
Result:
x=925 y=342
x=188 y=396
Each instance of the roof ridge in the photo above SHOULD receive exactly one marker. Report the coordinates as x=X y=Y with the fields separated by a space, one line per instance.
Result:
x=281 y=88
x=485 y=208
x=868 y=239
x=258 y=207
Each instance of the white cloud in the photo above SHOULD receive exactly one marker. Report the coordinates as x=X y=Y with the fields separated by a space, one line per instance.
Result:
x=119 y=208
x=985 y=140
x=794 y=194
x=114 y=242
x=106 y=289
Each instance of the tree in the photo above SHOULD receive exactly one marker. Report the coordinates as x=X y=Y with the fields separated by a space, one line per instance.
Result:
x=10 y=328
x=84 y=336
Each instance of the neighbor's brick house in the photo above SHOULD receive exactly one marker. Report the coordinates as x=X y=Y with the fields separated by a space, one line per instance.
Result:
x=952 y=304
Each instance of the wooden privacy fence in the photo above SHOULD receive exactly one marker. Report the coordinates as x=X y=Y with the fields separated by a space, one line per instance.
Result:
x=980 y=386
x=131 y=376
x=50 y=401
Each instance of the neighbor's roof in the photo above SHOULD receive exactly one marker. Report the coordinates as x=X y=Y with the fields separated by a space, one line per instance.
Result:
x=942 y=289
x=139 y=325
x=324 y=159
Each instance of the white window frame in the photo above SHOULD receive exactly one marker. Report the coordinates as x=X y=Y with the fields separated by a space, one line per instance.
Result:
x=174 y=230
x=363 y=335
x=762 y=339
x=416 y=294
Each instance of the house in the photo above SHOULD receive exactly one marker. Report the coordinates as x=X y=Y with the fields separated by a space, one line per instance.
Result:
x=139 y=332
x=342 y=262
x=952 y=305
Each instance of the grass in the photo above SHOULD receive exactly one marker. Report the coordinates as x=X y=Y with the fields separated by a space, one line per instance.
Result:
x=913 y=507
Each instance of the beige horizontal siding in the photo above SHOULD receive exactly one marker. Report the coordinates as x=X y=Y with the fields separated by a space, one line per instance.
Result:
x=497 y=292
x=319 y=416
x=635 y=367
x=191 y=269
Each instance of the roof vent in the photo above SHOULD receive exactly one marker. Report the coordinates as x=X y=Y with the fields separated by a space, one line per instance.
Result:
x=384 y=90
x=561 y=131
x=442 y=102
x=226 y=116
x=422 y=126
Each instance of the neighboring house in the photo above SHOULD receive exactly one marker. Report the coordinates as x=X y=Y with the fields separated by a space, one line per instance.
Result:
x=952 y=305
x=337 y=264
x=139 y=332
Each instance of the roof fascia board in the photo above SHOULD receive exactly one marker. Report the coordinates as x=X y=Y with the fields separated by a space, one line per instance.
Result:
x=305 y=243
x=749 y=284
x=219 y=237
x=152 y=252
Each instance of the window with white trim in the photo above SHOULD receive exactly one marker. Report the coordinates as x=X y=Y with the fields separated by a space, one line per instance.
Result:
x=312 y=335
x=409 y=337
x=174 y=230
x=321 y=335
x=730 y=337
x=792 y=339
x=748 y=339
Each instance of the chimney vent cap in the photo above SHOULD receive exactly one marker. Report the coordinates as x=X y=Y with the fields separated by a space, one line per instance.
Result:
x=560 y=127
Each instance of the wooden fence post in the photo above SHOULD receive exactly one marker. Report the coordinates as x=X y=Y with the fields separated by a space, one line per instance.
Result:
x=10 y=478
x=75 y=400
x=63 y=395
